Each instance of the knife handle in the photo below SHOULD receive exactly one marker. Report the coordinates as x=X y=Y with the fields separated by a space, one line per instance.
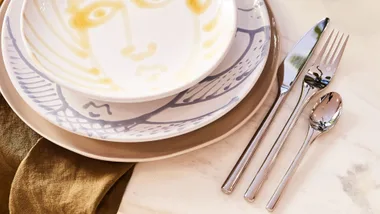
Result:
x=239 y=168
x=261 y=175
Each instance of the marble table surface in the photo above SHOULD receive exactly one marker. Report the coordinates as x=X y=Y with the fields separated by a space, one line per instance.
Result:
x=340 y=173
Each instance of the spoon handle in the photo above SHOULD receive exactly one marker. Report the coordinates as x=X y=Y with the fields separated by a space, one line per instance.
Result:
x=311 y=136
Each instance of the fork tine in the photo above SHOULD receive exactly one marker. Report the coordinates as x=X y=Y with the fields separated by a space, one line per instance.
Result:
x=333 y=56
x=340 y=54
x=328 y=55
x=323 y=50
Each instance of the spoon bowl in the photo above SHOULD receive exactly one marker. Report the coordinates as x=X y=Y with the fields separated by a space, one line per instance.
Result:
x=326 y=112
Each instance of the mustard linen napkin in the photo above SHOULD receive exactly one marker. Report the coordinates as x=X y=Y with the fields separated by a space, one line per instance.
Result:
x=16 y=139
x=54 y=180
x=44 y=178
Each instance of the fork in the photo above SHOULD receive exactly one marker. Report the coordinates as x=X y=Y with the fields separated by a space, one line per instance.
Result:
x=317 y=78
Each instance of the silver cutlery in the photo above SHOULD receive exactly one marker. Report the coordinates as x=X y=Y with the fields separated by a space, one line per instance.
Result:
x=287 y=73
x=323 y=118
x=316 y=79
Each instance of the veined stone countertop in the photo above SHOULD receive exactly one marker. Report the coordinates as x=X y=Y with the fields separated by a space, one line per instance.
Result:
x=340 y=173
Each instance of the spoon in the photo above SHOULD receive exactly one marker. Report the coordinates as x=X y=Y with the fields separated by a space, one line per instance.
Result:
x=323 y=118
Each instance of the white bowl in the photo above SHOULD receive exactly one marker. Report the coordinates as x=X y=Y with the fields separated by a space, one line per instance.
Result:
x=128 y=51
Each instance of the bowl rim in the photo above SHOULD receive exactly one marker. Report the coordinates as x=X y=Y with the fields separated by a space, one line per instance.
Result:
x=108 y=97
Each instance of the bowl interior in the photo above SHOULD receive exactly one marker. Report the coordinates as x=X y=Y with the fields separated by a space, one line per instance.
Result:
x=128 y=51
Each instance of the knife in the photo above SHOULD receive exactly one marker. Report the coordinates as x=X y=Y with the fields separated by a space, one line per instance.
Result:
x=288 y=73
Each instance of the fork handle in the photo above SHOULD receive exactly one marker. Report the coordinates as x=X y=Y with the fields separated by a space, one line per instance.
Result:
x=306 y=93
x=240 y=166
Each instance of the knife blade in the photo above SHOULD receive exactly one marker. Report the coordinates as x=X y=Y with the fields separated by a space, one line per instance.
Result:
x=296 y=59
x=288 y=73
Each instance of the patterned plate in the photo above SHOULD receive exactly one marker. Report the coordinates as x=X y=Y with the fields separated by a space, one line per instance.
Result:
x=189 y=110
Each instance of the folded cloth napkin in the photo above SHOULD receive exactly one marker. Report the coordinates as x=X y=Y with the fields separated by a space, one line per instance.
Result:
x=36 y=176
x=16 y=139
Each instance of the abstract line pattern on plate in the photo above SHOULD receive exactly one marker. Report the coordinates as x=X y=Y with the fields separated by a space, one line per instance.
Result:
x=50 y=99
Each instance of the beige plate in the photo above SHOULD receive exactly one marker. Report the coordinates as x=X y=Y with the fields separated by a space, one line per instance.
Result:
x=154 y=150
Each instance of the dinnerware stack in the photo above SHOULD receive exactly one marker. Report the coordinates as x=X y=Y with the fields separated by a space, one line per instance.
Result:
x=134 y=71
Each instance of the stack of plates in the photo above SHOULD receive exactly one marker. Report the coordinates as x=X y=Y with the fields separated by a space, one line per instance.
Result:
x=135 y=80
